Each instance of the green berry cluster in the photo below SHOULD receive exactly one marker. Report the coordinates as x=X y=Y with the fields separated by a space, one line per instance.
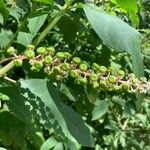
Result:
x=61 y=65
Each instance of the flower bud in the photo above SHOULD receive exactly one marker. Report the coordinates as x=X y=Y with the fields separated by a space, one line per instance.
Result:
x=29 y=53
x=41 y=50
x=76 y=60
x=74 y=74
x=18 y=62
x=10 y=50
x=48 y=59
x=38 y=64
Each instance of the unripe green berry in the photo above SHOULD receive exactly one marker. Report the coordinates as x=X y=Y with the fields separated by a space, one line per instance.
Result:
x=125 y=86
x=74 y=74
x=102 y=69
x=102 y=83
x=29 y=53
x=95 y=84
x=112 y=69
x=59 y=78
x=65 y=66
x=82 y=80
x=135 y=80
x=33 y=68
x=30 y=47
x=60 y=55
x=57 y=69
x=50 y=49
x=96 y=66
x=94 y=77
x=76 y=60
x=67 y=55
x=18 y=62
x=48 y=59
x=112 y=79
x=41 y=50
x=121 y=73
x=38 y=64
x=10 y=50
x=83 y=67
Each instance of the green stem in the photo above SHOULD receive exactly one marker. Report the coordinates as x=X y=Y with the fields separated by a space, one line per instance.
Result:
x=5 y=69
x=52 y=23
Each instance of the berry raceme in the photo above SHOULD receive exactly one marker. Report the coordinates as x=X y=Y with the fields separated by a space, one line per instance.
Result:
x=62 y=66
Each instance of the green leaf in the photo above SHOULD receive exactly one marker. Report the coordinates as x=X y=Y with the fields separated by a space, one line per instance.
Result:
x=34 y=25
x=12 y=129
x=5 y=13
x=130 y=7
x=65 y=90
x=44 y=102
x=23 y=4
x=68 y=27
x=116 y=34
x=100 y=109
x=5 y=36
x=45 y=1
x=49 y=143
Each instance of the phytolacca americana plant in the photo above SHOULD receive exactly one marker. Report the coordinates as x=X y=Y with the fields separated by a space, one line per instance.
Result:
x=62 y=65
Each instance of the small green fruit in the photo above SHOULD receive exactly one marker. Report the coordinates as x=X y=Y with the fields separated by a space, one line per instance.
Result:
x=41 y=50
x=94 y=77
x=60 y=55
x=112 y=69
x=57 y=69
x=82 y=80
x=102 y=69
x=76 y=60
x=112 y=79
x=74 y=74
x=29 y=53
x=65 y=66
x=30 y=47
x=102 y=83
x=38 y=64
x=18 y=62
x=10 y=50
x=33 y=68
x=67 y=55
x=50 y=49
x=121 y=73
x=125 y=86
x=83 y=67
x=48 y=59
x=95 y=84
x=96 y=66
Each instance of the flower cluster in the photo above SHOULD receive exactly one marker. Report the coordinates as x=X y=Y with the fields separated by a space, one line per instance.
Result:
x=62 y=65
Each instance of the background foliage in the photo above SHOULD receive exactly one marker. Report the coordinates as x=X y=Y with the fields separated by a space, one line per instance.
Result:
x=38 y=112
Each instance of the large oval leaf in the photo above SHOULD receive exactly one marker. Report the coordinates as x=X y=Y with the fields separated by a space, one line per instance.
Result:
x=116 y=34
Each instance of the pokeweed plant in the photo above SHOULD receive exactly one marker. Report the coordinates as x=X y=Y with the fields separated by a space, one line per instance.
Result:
x=68 y=84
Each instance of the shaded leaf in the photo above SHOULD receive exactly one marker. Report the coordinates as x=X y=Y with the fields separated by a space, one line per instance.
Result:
x=45 y=1
x=100 y=109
